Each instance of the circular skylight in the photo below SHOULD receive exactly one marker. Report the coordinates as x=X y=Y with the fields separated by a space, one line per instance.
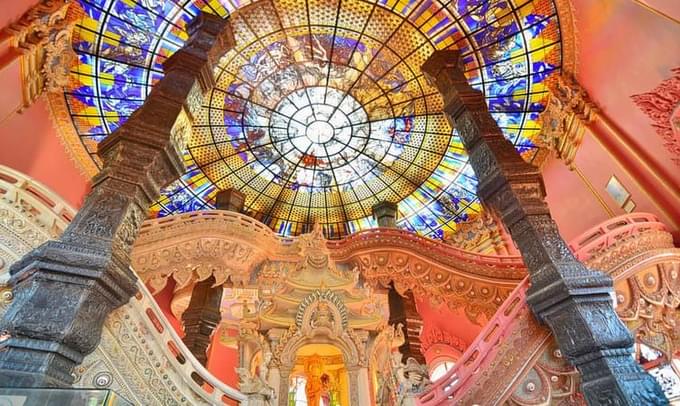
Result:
x=321 y=110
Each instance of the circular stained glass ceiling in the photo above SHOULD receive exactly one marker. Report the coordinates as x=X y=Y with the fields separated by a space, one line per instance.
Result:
x=321 y=110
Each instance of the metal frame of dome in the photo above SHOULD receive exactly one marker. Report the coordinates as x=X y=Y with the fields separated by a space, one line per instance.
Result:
x=511 y=47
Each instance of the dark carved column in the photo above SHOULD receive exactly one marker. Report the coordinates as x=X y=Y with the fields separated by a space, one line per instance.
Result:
x=574 y=301
x=230 y=199
x=385 y=214
x=202 y=317
x=65 y=289
x=403 y=311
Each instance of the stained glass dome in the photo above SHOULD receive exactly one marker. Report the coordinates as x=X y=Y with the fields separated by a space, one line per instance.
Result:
x=321 y=110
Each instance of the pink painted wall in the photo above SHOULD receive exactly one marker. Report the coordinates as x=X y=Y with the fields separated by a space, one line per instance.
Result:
x=12 y=10
x=222 y=361
x=29 y=143
x=574 y=207
x=625 y=50
x=447 y=320
x=164 y=298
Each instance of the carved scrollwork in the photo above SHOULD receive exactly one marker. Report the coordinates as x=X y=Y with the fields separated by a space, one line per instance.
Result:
x=648 y=303
x=315 y=309
x=568 y=112
x=43 y=36
x=479 y=298
x=662 y=105
x=550 y=381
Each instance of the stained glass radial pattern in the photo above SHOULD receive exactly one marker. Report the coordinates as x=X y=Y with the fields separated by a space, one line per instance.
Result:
x=321 y=110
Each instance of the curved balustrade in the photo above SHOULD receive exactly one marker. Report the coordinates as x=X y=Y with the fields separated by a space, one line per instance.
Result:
x=194 y=375
x=610 y=232
x=381 y=238
x=253 y=226
x=480 y=352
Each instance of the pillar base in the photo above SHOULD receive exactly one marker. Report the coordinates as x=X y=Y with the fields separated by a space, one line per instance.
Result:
x=62 y=295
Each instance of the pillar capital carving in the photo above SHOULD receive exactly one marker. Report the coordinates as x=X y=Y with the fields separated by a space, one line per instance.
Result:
x=42 y=37
x=568 y=112
x=571 y=299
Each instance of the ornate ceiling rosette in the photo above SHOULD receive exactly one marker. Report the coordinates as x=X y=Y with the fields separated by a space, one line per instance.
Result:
x=321 y=110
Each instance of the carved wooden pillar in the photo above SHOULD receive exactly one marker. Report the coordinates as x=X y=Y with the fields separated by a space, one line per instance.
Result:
x=403 y=311
x=284 y=384
x=65 y=289
x=573 y=301
x=202 y=317
x=385 y=214
x=230 y=199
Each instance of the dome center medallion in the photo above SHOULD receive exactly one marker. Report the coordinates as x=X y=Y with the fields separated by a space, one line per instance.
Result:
x=319 y=132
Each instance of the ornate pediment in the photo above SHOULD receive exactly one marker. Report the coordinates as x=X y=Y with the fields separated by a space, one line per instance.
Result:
x=322 y=309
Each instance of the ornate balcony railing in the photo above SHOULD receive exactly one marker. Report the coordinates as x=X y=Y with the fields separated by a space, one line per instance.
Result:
x=380 y=238
x=599 y=242
x=613 y=231
x=480 y=353
x=194 y=375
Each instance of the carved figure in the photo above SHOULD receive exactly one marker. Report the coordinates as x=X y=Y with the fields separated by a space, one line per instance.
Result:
x=258 y=391
x=413 y=380
x=322 y=316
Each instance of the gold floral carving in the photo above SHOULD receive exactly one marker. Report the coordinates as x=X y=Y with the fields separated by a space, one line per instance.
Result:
x=566 y=116
x=482 y=234
x=193 y=246
x=43 y=38
x=648 y=302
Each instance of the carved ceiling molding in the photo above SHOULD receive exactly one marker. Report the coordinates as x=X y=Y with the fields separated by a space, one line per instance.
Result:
x=42 y=36
x=192 y=247
x=479 y=298
x=435 y=336
x=501 y=267
x=662 y=106
x=569 y=35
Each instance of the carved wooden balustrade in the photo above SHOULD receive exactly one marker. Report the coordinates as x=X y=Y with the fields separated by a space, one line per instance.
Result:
x=191 y=247
x=492 y=368
x=613 y=231
x=481 y=351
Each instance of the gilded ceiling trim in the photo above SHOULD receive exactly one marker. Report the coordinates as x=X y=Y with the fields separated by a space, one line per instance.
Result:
x=61 y=120
x=565 y=12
